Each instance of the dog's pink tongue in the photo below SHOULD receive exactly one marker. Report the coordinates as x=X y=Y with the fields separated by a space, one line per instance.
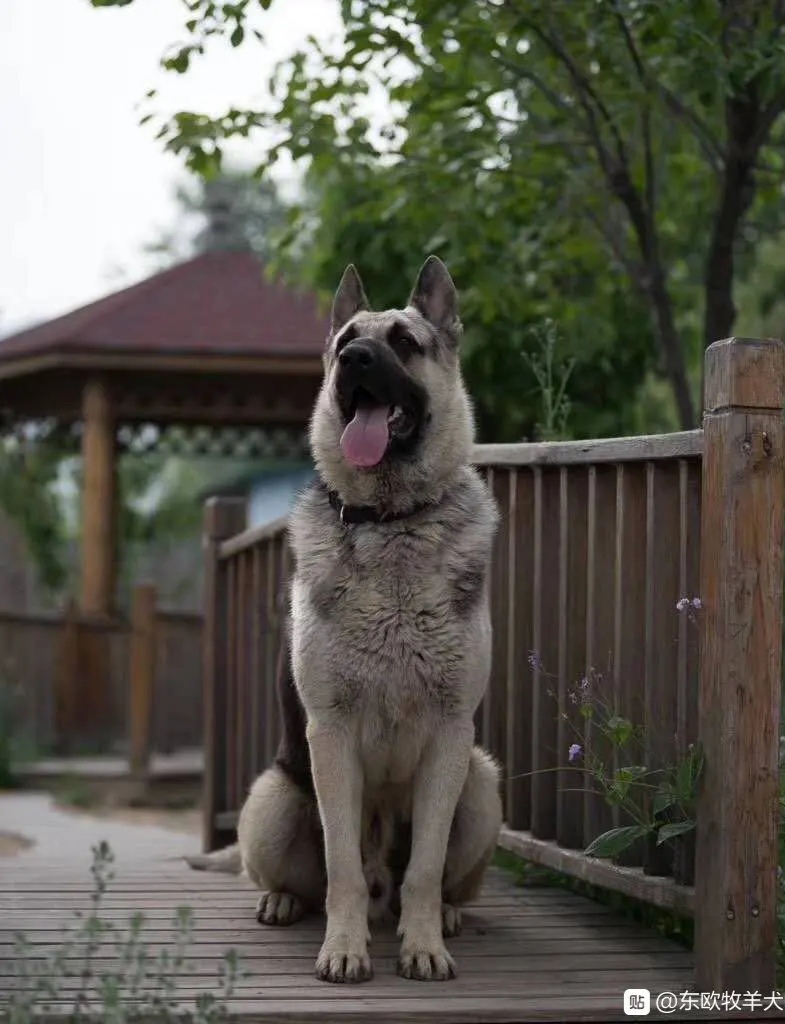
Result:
x=365 y=439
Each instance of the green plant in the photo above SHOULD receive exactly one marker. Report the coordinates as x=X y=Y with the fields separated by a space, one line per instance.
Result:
x=653 y=800
x=13 y=746
x=135 y=986
x=74 y=791
x=552 y=381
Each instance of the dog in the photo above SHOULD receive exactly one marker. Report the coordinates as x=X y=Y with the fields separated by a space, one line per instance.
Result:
x=378 y=801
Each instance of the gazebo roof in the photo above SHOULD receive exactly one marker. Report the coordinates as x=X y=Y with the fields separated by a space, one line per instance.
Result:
x=218 y=304
x=211 y=342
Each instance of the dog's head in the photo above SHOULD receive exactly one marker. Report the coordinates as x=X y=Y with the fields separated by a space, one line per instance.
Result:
x=393 y=422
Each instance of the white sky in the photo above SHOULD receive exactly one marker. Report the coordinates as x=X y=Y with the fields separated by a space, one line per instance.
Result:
x=82 y=187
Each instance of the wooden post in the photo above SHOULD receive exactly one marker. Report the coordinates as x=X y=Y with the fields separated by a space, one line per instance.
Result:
x=143 y=663
x=223 y=518
x=741 y=648
x=98 y=501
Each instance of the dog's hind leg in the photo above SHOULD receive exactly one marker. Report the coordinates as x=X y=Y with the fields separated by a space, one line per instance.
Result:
x=473 y=838
x=281 y=848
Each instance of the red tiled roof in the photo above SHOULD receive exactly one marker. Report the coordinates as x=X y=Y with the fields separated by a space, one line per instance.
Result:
x=219 y=303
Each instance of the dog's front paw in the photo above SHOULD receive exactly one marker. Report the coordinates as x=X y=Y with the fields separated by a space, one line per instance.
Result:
x=278 y=908
x=344 y=959
x=425 y=964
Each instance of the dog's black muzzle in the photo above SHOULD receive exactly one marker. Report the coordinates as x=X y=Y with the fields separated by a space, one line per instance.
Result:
x=369 y=373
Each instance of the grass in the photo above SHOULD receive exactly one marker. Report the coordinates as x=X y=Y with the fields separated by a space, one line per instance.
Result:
x=73 y=791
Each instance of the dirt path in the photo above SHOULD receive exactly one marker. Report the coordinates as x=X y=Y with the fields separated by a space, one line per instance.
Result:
x=12 y=843
x=188 y=821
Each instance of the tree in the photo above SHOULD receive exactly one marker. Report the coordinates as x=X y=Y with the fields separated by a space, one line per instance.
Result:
x=232 y=210
x=352 y=208
x=654 y=127
x=29 y=470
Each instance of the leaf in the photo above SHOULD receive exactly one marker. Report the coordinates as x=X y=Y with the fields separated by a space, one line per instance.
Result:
x=663 y=799
x=619 y=730
x=615 y=840
x=237 y=36
x=677 y=828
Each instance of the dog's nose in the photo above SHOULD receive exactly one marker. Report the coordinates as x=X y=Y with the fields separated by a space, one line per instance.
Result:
x=357 y=354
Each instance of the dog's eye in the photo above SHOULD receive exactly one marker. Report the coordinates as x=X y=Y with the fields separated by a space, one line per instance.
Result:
x=402 y=342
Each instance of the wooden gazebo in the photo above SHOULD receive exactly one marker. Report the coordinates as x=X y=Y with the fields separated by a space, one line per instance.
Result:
x=210 y=347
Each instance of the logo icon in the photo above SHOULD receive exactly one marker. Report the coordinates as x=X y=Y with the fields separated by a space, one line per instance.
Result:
x=637 y=1002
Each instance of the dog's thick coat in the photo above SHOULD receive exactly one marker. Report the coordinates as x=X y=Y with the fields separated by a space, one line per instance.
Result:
x=390 y=649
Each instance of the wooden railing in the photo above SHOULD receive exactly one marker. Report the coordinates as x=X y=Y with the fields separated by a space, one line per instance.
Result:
x=79 y=683
x=598 y=543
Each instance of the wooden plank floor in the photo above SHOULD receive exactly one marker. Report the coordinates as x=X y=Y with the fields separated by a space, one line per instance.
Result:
x=525 y=954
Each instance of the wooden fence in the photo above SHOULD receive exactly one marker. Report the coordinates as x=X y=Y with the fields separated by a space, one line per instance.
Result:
x=76 y=683
x=598 y=543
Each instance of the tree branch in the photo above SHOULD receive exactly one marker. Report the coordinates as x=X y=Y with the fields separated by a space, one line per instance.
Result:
x=712 y=149
x=645 y=80
x=766 y=121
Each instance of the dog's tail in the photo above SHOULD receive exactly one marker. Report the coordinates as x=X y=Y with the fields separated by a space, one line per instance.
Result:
x=227 y=860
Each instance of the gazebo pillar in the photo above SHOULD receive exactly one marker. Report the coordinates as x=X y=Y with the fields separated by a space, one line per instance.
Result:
x=99 y=490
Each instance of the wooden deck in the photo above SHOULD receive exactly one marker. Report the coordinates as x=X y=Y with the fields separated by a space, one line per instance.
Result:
x=525 y=954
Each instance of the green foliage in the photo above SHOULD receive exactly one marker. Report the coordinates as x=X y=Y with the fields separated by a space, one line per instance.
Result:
x=127 y=985
x=11 y=742
x=28 y=473
x=610 y=165
x=653 y=801
x=506 y=304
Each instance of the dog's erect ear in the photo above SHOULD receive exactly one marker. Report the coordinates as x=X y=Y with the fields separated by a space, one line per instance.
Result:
x=434 y=294
x=349 y=299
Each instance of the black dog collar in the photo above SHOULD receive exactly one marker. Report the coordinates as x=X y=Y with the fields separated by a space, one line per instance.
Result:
x=354 y=515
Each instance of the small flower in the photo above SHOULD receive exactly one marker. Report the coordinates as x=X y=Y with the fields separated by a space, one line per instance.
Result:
x=584 y=683
x=697 y=604
x=573 y=697
x=682 y=604
x=535 y=661
x=575 y=751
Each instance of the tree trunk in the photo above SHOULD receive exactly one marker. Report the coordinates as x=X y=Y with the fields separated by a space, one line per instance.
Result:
x=672 y=348
x=738 y=192
x=654 y=286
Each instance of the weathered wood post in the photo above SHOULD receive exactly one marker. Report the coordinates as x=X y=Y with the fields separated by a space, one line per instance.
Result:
x=143 y=650
x=98 y=500
x=223 y=518
x=740 y=674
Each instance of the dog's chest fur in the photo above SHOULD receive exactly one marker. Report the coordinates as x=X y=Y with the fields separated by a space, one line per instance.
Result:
x=390 y=625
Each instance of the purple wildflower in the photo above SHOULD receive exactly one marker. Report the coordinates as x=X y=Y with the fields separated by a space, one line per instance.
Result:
x=575 y=751
x=682 y=604
x=535 y=661
x=697 y=604
x=687 y=604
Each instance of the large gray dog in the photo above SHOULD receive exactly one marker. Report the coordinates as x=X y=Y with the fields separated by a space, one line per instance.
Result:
x=378 y=800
